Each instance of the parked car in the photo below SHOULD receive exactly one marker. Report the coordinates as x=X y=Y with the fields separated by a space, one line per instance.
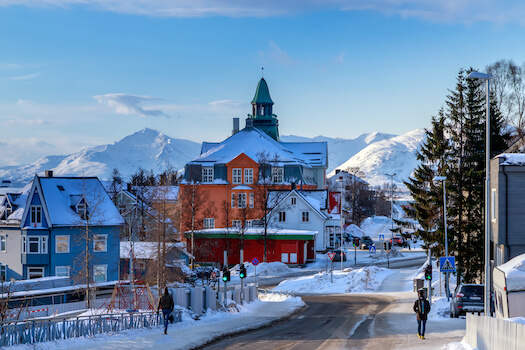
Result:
x=337 y=256
x=399 y=241
x=467 y=298
x=366 y=242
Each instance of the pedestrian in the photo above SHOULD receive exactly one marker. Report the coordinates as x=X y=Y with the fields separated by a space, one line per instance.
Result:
x=421 y=308
x=166 y=304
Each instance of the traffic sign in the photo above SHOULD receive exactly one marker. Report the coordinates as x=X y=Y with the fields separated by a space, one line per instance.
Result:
x=447 y=264
x=381 y=237
x=331 y=255
x=372 y=249
x=255 y=261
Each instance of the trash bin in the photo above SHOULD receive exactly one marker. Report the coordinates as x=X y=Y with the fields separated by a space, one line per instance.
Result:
x=418 y=284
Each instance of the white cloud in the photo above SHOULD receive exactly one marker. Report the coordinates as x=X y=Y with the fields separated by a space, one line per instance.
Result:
x=25 y=77
x=341 y=57
x=463 y=11
x=130 y=104
x=21 y=121
x=275 y=53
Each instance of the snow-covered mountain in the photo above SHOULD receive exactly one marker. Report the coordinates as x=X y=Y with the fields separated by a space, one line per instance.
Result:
x=148 y=149
x=340 y=150
x=396 y=155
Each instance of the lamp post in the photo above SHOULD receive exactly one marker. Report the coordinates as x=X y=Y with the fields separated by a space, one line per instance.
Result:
x=341 y=180
x=486 y=77
x=445 y=224
x=392 y=207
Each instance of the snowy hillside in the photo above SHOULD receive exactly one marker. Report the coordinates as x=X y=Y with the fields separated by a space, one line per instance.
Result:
x=396 y=155
x=340 y=150
x=147 y=148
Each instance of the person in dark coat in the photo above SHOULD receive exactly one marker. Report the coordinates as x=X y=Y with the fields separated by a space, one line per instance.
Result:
x=166 y=304
x=421 y=308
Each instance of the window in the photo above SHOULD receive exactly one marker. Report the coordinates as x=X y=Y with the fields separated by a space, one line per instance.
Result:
x=34 y=244
x=237 y=223
x=100 y=243
x=237 y=176
x=81 y=210
x=293 y=258
x=35 y=272
x=284 y=258
x=282 y=216
x=306 y=216
x=207 y=174
x=294 y=201
x=3 y=272
x=36 y=215
x=242 y=200
x=493 y=205
x=252 y=200
x=100 y=273
x=209 y=223
x=233 y=200
x=277 y=174
x=62 y=244
x=248 y=176
x=62 y=271
x=248 y=223
x=3 y=243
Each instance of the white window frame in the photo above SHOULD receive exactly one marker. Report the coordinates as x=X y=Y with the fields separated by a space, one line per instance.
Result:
x=66 y=268
x=61 y=241
x=248 y=223
x=82 y=210
x=242 y=198
x=103 y=269
x=208 y=223
x=35 y=215
x=493 y=205
x=30 y=273
x=41 y=242
x=237 y=176
x=236 y=223
x=305 y=216
x=98 y=239
x=207 y=174
x=252 y=200
x=3 y=243
x=277 y=174
x=282 y=216
x=248 y=175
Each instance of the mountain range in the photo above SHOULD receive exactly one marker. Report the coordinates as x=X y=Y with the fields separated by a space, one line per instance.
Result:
x=374 y=153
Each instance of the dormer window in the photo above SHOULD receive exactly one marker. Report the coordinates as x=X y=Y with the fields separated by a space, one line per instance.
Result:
x=36 y=215
x=82 y=210
x=207 y=174
x=277 y=174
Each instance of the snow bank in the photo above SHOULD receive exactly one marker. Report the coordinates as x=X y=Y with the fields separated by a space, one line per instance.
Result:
x=366 y=279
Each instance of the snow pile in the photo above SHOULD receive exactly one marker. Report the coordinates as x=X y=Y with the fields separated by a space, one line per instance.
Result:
x=355 y=231
x=520 y=320
x=462 y=345
x=267 y=269
x=514 y=270
x=366 y=279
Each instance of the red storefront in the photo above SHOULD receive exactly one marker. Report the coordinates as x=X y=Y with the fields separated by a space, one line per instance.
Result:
x=292 y=247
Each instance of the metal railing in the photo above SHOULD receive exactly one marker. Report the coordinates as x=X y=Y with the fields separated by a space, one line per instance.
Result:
x=30 y=332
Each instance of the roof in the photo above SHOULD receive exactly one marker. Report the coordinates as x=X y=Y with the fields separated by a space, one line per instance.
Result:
x=514 y=270
x=511 y=158
x=262 y=93
x=257 y=233
x=17 y=200
x=147 y=250
x=60 y=194
x=251 y=141
x=312 y=202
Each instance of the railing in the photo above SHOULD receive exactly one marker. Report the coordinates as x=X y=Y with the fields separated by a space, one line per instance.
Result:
x=36 y=331
x=485 y=333
x=279 y=292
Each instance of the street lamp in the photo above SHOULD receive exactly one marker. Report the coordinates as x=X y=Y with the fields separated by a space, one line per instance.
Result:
x=486 y=77
x=341 y=180
x=445 y=224
x=392 y=207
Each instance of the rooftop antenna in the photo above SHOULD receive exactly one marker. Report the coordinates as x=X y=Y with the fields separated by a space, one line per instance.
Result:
x=262 y=73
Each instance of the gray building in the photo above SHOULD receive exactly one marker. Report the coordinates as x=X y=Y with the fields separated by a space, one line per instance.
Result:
x=507 y=211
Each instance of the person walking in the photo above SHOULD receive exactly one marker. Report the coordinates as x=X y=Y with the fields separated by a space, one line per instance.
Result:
x=421 y=308
x=166 y=304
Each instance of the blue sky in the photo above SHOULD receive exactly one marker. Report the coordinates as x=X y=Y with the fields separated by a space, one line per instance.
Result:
x=78 y=73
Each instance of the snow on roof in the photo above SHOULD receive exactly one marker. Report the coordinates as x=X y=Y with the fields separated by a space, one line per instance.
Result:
x=512 y=158
x=355 y=231
x=147 y=250
x=259 y=231
x=58 y=193
x=18 y=200
x=253 y=141
x=514 y=270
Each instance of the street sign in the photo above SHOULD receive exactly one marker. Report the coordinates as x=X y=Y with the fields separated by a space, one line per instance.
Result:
x=447 y=264
x=331 y=255
x=255 y=261
x=381 y=237
x=372 y=249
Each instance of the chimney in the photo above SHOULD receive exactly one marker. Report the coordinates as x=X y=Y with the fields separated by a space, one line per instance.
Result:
x=249 y=122
x=235 y=126
x=337 y=171
x=293 y=185
x=49 y=173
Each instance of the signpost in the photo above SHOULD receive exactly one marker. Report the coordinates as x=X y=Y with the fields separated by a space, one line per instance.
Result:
x=372 y=249
x=255 y=262
x=331 y=255
x=447 y=264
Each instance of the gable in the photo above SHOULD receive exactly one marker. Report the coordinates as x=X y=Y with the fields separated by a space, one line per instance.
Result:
x=242 y=161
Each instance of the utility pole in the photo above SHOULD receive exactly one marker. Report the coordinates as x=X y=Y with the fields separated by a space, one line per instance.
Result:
x=392 y=207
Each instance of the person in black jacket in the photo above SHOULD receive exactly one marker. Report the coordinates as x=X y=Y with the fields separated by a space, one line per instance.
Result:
x=421 y=308
x=166 y=304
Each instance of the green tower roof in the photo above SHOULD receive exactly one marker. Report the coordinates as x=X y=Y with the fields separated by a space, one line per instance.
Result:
x=262 y=94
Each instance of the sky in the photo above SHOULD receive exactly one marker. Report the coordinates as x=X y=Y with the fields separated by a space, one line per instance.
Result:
x=81 y=73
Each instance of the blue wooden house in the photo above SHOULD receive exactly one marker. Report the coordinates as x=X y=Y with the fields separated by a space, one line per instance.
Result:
x=65 y=220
